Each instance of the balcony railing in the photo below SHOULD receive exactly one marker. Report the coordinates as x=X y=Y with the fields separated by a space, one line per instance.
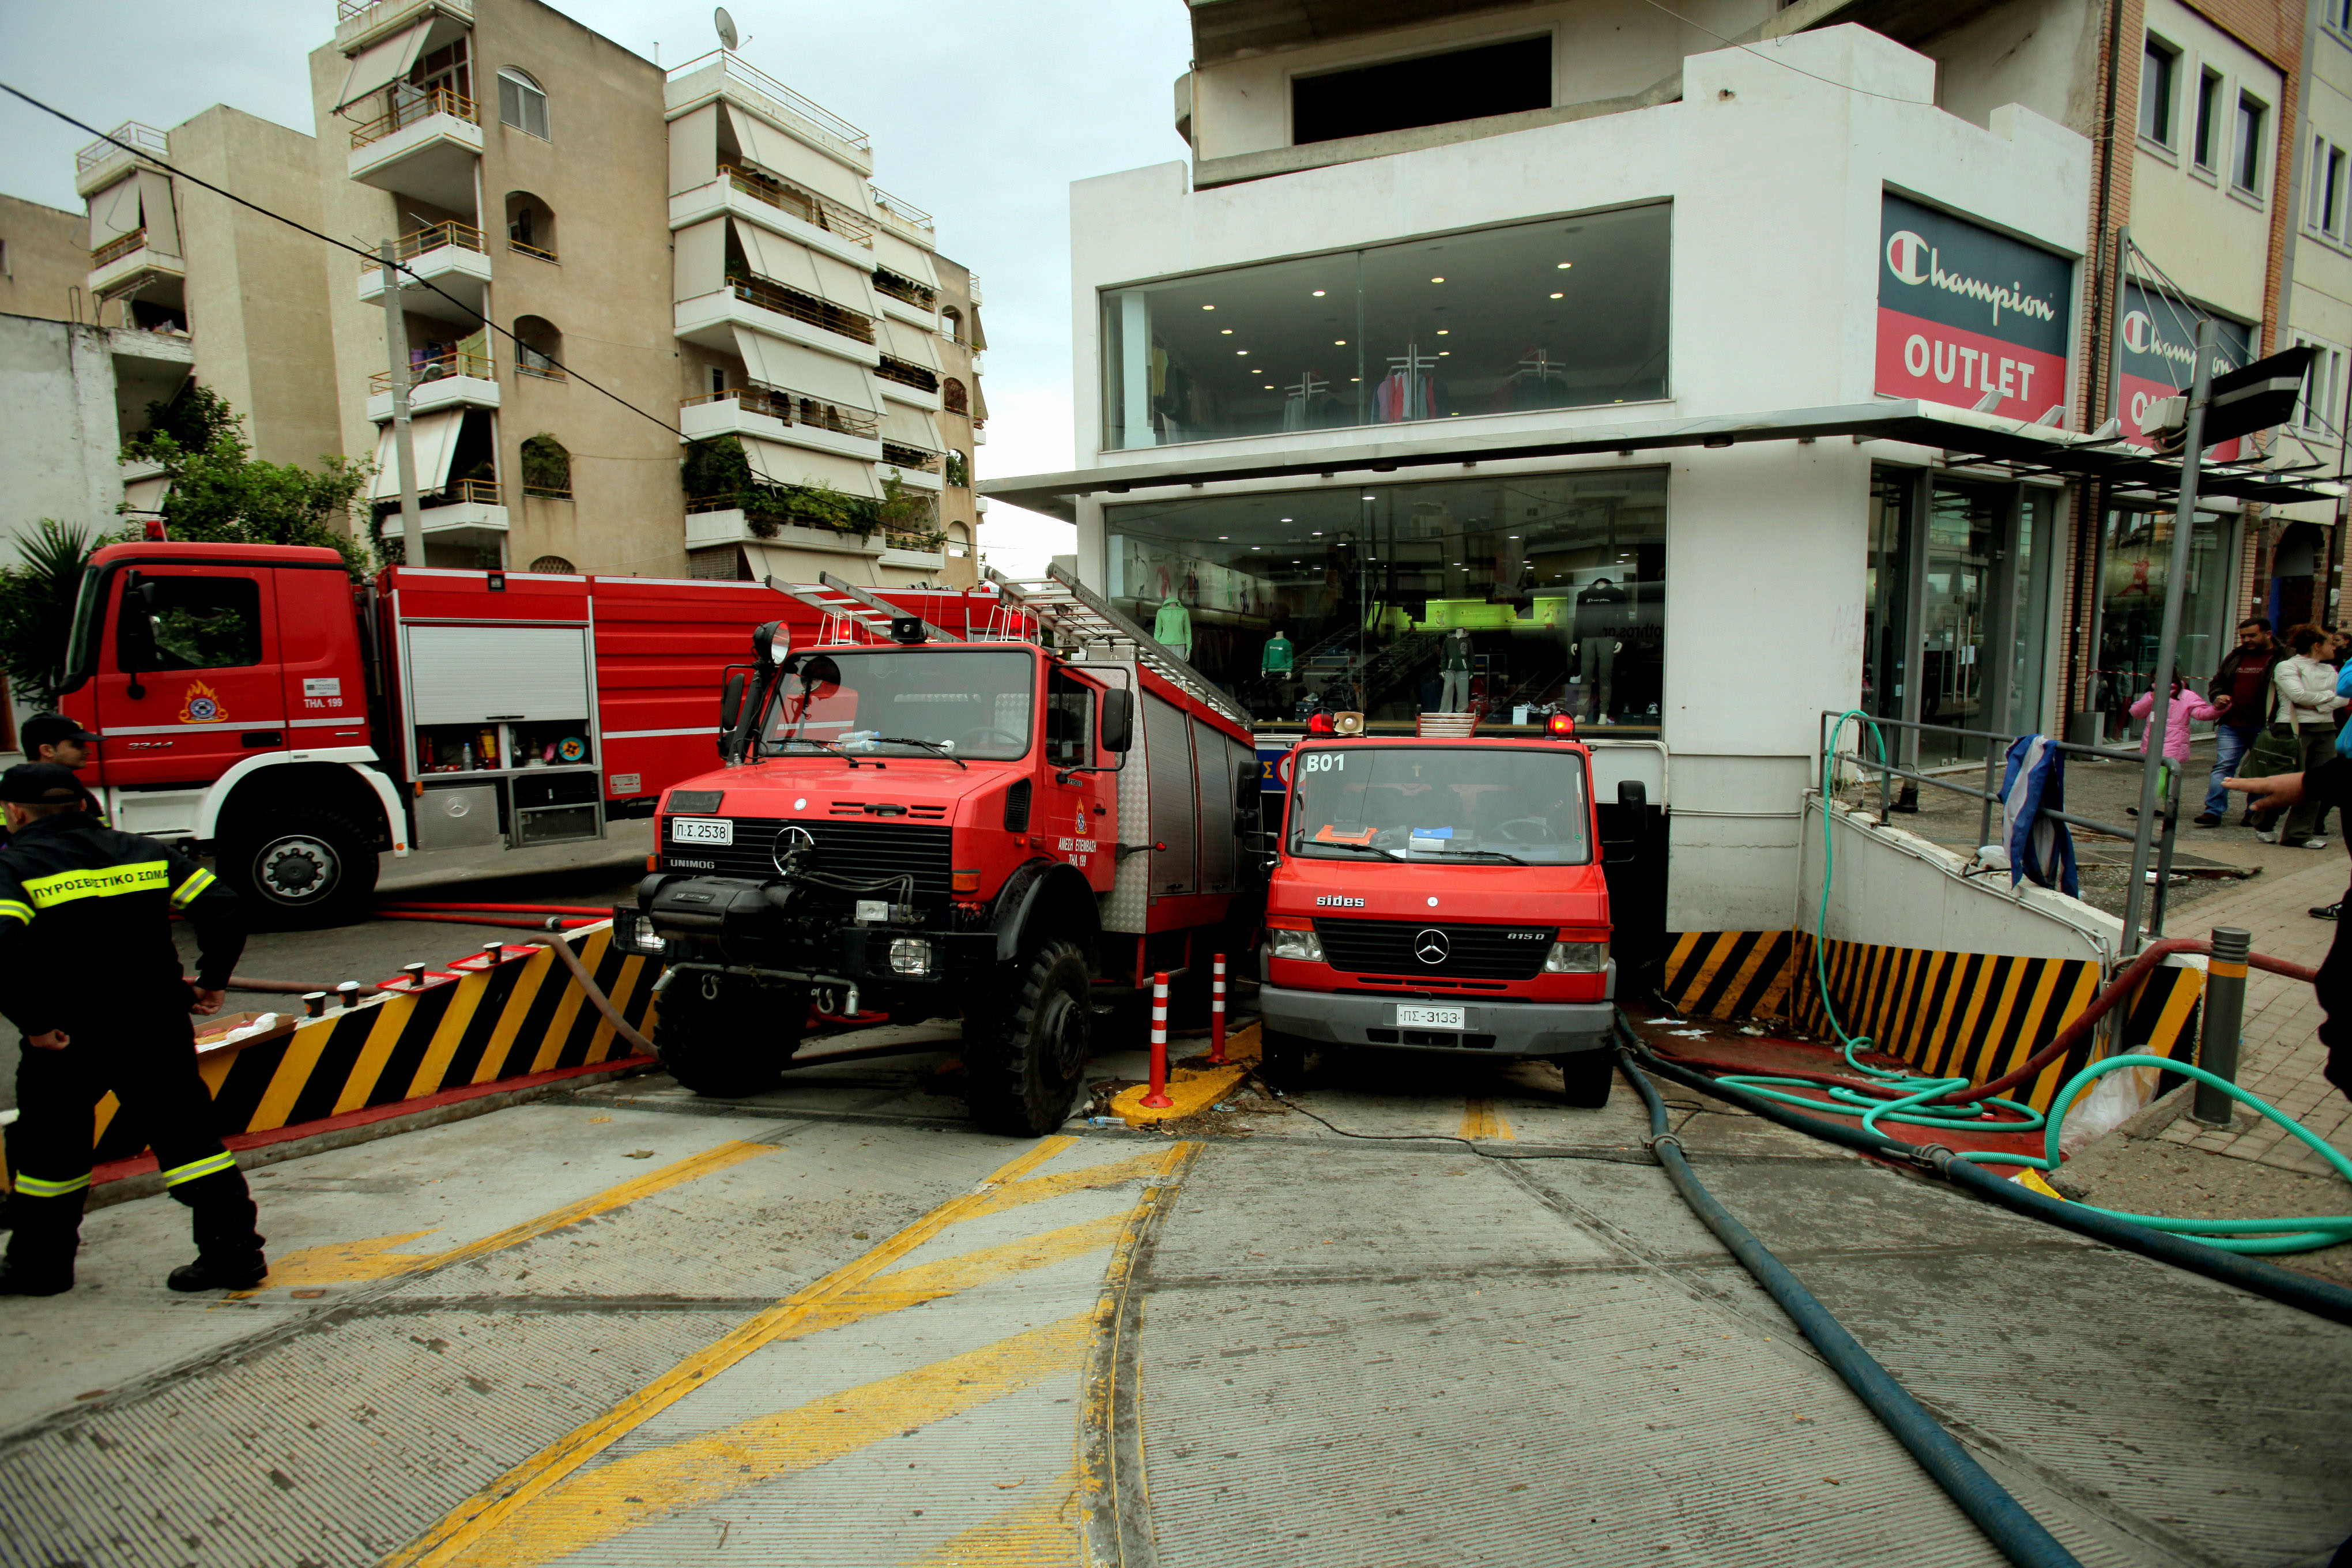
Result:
x=433 y=236
x=546 y=492
x=408 y=111
x=805 y=205
x=141 y=138
x=904 y=212
x=539 y=365
x=467 y=492
x=115 y=249
x=795 y=408
x=529 y=249
x=760 y=81
x=900 y=456
x=906 y=288
x=437 y=368
x=907 y=375
x=801 y=307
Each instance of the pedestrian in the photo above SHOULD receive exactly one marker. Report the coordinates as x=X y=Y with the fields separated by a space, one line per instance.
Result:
x=2243 y=690
x=2307 y=700
x=2330 y=782
x=2184 y=708
x=90 y=975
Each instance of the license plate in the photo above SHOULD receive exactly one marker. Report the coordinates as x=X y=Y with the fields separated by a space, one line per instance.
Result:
x=700 y=830
x=1428 y=1017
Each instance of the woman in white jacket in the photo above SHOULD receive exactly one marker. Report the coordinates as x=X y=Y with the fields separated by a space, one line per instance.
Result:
x=2306 y=707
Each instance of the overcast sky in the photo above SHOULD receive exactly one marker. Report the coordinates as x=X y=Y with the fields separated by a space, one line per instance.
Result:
x=982 y=115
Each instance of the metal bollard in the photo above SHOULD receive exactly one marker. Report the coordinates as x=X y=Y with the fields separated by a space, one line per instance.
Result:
x=2225 y=1016
x=1217 y=1011
x=494 y=951
x=349 y=991
x=415 y=972
x=1158 y=1097
x=314 y=1004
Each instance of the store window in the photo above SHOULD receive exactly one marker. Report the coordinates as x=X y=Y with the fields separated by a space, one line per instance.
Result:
x=1568 y=313
x=1343 y=598
x=2134 y=566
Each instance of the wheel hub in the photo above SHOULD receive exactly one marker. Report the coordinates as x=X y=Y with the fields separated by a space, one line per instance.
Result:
x=295 y=869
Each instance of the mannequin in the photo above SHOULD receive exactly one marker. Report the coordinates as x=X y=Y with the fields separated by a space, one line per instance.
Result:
x=1172 y=628
x=1453 y=664
x=1276 y=658
x=1600 y=618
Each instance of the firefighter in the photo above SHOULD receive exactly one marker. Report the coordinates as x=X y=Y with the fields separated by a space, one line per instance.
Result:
x=53 y=738
x=90 y=975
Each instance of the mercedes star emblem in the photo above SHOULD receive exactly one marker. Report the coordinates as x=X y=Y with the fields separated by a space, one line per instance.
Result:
x=791 y=838
x=1431 y=946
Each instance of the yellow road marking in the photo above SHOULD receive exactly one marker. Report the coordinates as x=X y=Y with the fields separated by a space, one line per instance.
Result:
x=344 y=1261
x=1040 y=1533
x=1038 y=1189
x=1481 y=1120
x=1192 y=1089
x=598 y=1504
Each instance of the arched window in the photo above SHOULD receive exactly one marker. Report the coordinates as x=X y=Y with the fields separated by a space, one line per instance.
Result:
x=959 y=539
x=546 y=470
x=959 y=469
x=555 y=564
x=958 y=401
x=522 y=102
x=531 y=226
x=539 y=348
x=952 y=324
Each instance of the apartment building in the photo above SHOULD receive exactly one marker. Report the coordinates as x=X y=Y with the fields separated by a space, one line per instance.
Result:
x=1707 y=385
x=731 y=356
x=43 y=260
x=2309 y=542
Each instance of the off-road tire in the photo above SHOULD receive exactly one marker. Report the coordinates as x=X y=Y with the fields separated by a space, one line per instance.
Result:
x=300 y=869
x=1587 y=1077
x=733 y=1044
x=1281 y=1059
x=1023 y=1065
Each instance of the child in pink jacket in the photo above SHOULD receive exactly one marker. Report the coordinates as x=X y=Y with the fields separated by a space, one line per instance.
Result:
x=2185 y=709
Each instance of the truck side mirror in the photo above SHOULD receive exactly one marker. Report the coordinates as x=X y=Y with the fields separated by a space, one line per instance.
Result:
x=1117 y=719
x=1632 y=794
x=730 y=712
x=1246 y=787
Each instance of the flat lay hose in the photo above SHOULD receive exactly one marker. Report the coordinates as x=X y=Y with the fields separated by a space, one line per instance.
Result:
x=2019 y=1536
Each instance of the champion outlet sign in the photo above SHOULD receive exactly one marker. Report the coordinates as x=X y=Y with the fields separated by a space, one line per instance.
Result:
x=2160 y=358
x=1964 y=312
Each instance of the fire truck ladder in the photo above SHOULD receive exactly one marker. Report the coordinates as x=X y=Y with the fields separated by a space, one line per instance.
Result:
x=1063 y=604
x=848 y=609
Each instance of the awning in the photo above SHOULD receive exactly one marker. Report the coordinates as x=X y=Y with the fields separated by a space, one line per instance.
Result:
x=792 y=368
x=114 y=212
x=434 y=437
x=790 y=158
x=380 y=64
x=146 y=496
x=155 y=212
x=774 y=463
x=912 y=344
x=699 y=259
x=781 y=563
x=908 y=260
x=911 y=427
x=775 y=259
x=1962 y=435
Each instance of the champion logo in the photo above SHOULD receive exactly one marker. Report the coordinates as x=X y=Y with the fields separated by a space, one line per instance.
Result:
x=1912 y=260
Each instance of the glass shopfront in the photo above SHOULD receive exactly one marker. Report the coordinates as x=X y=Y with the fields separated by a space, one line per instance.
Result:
x=1539 y=591
x=1567 y=314
x=2135 y=560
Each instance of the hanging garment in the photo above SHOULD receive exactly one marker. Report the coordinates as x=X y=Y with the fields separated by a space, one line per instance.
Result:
x=1276 y=656
x=1172 y=628
x=2039 y=846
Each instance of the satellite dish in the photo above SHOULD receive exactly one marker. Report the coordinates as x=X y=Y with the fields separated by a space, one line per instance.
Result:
x=726 y=25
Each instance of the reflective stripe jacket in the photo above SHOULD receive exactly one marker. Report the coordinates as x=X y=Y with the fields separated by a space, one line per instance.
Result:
x=85 y=922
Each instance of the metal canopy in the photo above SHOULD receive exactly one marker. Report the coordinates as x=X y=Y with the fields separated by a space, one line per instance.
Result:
x=1961 y=434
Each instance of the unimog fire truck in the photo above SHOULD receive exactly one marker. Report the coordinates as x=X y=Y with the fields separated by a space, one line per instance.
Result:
x=1014 y=827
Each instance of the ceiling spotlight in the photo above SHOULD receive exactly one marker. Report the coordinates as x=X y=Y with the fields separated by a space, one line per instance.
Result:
x=1286 y=520
x=1437 y=281
x=1565 y=265
x=1224 y=536
x=1560 y=296
x=1243 y=351
x=1208 y=307
x=1339 y=343
x=1318 y=293
x=1442 y=331
x=1225 y=331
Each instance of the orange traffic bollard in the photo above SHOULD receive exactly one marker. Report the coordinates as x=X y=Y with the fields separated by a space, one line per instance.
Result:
x=1217 y=1012
x=1157 y=1098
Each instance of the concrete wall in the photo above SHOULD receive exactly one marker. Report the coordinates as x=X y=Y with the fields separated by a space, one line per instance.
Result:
x=2212 y=238
x=47 y=259
x=58 y=436
x=2042 y=54
x=1896 y=889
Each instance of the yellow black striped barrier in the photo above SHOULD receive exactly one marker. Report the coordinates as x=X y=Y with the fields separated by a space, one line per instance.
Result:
x=1948 y=1014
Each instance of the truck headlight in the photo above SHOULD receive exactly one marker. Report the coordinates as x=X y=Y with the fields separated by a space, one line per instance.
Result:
x=1300 y=944
x=1577 y=958
x=632 y=932
x=910 y=955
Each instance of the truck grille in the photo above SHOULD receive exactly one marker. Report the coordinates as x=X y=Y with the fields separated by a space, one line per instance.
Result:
x=858 y=851
x=1472 y=952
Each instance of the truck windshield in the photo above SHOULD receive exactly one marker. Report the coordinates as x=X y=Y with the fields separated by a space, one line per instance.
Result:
x=1489 y=805
x=81 y=641
x=905 y=703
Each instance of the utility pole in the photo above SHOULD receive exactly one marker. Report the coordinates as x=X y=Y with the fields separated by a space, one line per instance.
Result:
x=403 y=442
x=2168 y=644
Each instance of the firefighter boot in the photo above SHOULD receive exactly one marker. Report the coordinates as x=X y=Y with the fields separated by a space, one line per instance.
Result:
x=228 y=1250
x=42 y=1240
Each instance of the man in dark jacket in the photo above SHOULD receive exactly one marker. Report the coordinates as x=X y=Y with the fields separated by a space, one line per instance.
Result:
x=2331 y=783
x=2244 y=678
x=90 y=975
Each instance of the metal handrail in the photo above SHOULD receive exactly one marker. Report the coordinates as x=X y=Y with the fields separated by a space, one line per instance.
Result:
x=432 y=237
x=117 y=248
x=464 y=492
x=905 y=372
x=782 y=194
x=906 y=289
x=816 y=114
x=432 y=101
x=792 y=407
x=446 y=364
x=905 y=210
x=529 y=249
x=130 y=131
x=770 y=295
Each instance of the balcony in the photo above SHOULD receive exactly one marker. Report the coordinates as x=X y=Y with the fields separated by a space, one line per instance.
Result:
x=781 y=415
x=450 y=257
x=917 y=468
x=908 y=383
x=720 y=520
x=469 y=512
x=710 y=320
x=780 y=207
x=104 y=162
x=723 y=74
x=424 y=147
x=915 y=554
x=450 y=380
x=916 y=304
x=125 y=265
x=360 y=23
x=150 y=367
x=905 y=219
